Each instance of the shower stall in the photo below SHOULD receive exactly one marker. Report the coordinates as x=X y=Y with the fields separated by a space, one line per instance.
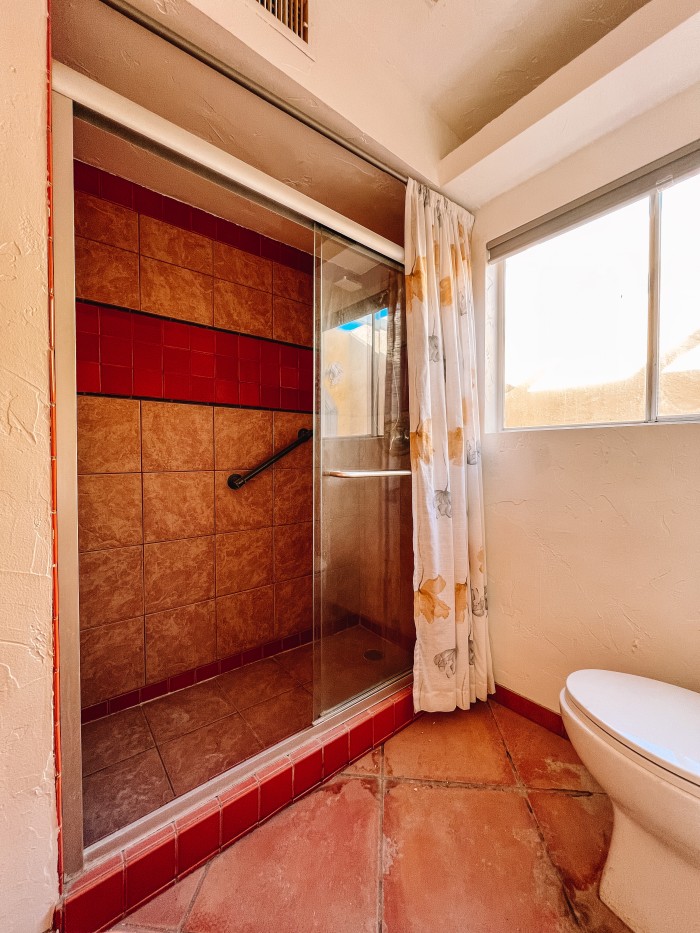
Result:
x=228 y=584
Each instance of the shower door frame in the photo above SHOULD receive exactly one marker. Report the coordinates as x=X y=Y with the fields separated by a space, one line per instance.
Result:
x=71 y=90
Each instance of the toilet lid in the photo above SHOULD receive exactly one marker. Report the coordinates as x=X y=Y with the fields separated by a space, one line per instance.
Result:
x=656 y=720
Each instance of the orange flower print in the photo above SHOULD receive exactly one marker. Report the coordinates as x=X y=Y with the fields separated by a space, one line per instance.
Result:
x=428 y=602
x=415 y=282
x=446 y=291
x=455 y=446
x=422 y=443
x=460 y=602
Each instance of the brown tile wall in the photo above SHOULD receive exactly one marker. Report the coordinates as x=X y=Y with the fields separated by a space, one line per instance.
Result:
x=176 y=569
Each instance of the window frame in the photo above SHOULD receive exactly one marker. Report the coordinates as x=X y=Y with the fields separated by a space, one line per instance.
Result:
x=626 y=190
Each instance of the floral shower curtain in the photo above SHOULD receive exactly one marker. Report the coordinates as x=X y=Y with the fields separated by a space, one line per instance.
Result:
x=452 y=662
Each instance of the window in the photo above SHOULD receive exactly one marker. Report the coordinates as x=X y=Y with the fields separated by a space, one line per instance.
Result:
x=601 y=322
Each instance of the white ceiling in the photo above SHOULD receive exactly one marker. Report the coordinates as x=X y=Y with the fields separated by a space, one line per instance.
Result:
x=470 y=60
x=470 y=97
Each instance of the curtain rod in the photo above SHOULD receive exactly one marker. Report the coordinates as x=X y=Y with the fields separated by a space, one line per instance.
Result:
x=194 y=51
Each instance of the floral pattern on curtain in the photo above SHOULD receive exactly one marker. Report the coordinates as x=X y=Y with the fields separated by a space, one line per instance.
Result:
x=452 y=662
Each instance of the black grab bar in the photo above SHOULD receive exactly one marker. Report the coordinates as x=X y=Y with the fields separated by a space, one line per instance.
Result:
x=236 y=481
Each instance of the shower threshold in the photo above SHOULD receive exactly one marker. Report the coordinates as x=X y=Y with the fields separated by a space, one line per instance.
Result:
x=141 y=761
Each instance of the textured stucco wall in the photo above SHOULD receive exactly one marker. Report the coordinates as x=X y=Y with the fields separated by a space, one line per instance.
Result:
x=28 y=874
x=593 y=535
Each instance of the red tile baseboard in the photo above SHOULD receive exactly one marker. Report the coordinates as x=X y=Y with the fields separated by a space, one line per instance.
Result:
x=193 y=676
x=107 y=892
x=530 y=710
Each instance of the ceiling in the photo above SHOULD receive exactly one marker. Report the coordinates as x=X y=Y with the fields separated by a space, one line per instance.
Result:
x=100 y=43
x=469 y=61
x=436 y=88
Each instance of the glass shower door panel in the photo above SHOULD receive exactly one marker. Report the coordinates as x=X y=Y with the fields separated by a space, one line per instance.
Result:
x=363 y=620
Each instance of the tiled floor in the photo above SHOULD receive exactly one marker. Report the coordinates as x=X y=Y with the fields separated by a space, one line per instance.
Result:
x=476 y=822
x=137 y=760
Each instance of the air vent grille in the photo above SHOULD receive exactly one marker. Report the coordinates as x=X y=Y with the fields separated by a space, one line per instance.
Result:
x=291 y=13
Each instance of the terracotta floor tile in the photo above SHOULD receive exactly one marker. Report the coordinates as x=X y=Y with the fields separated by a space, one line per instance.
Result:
x=316 y=867
x=371 y=764
x=192 y=759
x=542 y=759
x=114 y=738
x=168 y=910
x=186 y=710
x=299 y=663
x=122 y=793
x=458 y=859
x=461 y=746
x=281 y=716
x=255 y=683
x=577 y=832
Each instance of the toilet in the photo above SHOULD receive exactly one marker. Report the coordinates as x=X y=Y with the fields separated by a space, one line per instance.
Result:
x=640 y=739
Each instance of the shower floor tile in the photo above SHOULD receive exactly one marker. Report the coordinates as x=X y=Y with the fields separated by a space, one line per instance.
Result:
x=161 y=749
x=405 y=841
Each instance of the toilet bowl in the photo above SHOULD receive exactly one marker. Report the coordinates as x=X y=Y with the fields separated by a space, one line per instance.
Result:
x=640 y=739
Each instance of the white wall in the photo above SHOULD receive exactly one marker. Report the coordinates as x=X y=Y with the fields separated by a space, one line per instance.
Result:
x=593 y=535
x=28 y=847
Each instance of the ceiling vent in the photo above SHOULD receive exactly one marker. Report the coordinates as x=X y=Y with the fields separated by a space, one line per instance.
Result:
x=291 y=13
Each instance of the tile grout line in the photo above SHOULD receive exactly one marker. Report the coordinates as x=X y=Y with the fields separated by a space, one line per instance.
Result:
x=524 y=789
x=160 y=757
x=565 y=894
x=143 y=538
x=516 y=773
x=190 y=907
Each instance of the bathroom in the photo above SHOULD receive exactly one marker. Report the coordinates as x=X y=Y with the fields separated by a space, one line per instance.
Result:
x=220 y=640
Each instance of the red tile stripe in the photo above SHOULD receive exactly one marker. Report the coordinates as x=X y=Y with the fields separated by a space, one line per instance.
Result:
x=193 y=676
x=101 y=184
x=105 y=893
x=135 y=355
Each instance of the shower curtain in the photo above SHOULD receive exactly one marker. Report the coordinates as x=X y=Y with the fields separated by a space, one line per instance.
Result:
x=452 y=661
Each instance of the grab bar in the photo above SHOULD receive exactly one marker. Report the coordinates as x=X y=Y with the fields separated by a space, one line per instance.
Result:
x=364 y=474
x=236 y=481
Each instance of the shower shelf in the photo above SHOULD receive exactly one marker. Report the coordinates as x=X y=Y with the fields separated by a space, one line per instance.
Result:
x=236 y=481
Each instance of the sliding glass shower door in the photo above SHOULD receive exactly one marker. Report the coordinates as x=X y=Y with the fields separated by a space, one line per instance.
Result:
x=363 y=595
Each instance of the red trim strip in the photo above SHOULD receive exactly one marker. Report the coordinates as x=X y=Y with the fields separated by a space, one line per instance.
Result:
x=106 y=892
x=101 y=184
x=130 y=354
x=192 y=676
x=530 y=710
x=52 y=434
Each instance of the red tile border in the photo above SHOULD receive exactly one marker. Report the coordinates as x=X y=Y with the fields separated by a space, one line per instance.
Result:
x=97 y=899
x=240 y=810
x=307 y=764
x=360 y=735
x=193 y=676
x=530 y=710
x=101 y=184
x=105 y=893
x=150 y=866
x=130 y=354
x=335 y=751
x=198 y=837
x=276 y=789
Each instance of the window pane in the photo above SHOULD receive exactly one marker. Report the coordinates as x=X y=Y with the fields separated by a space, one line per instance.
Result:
x=679 y=337
x=576 y=311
